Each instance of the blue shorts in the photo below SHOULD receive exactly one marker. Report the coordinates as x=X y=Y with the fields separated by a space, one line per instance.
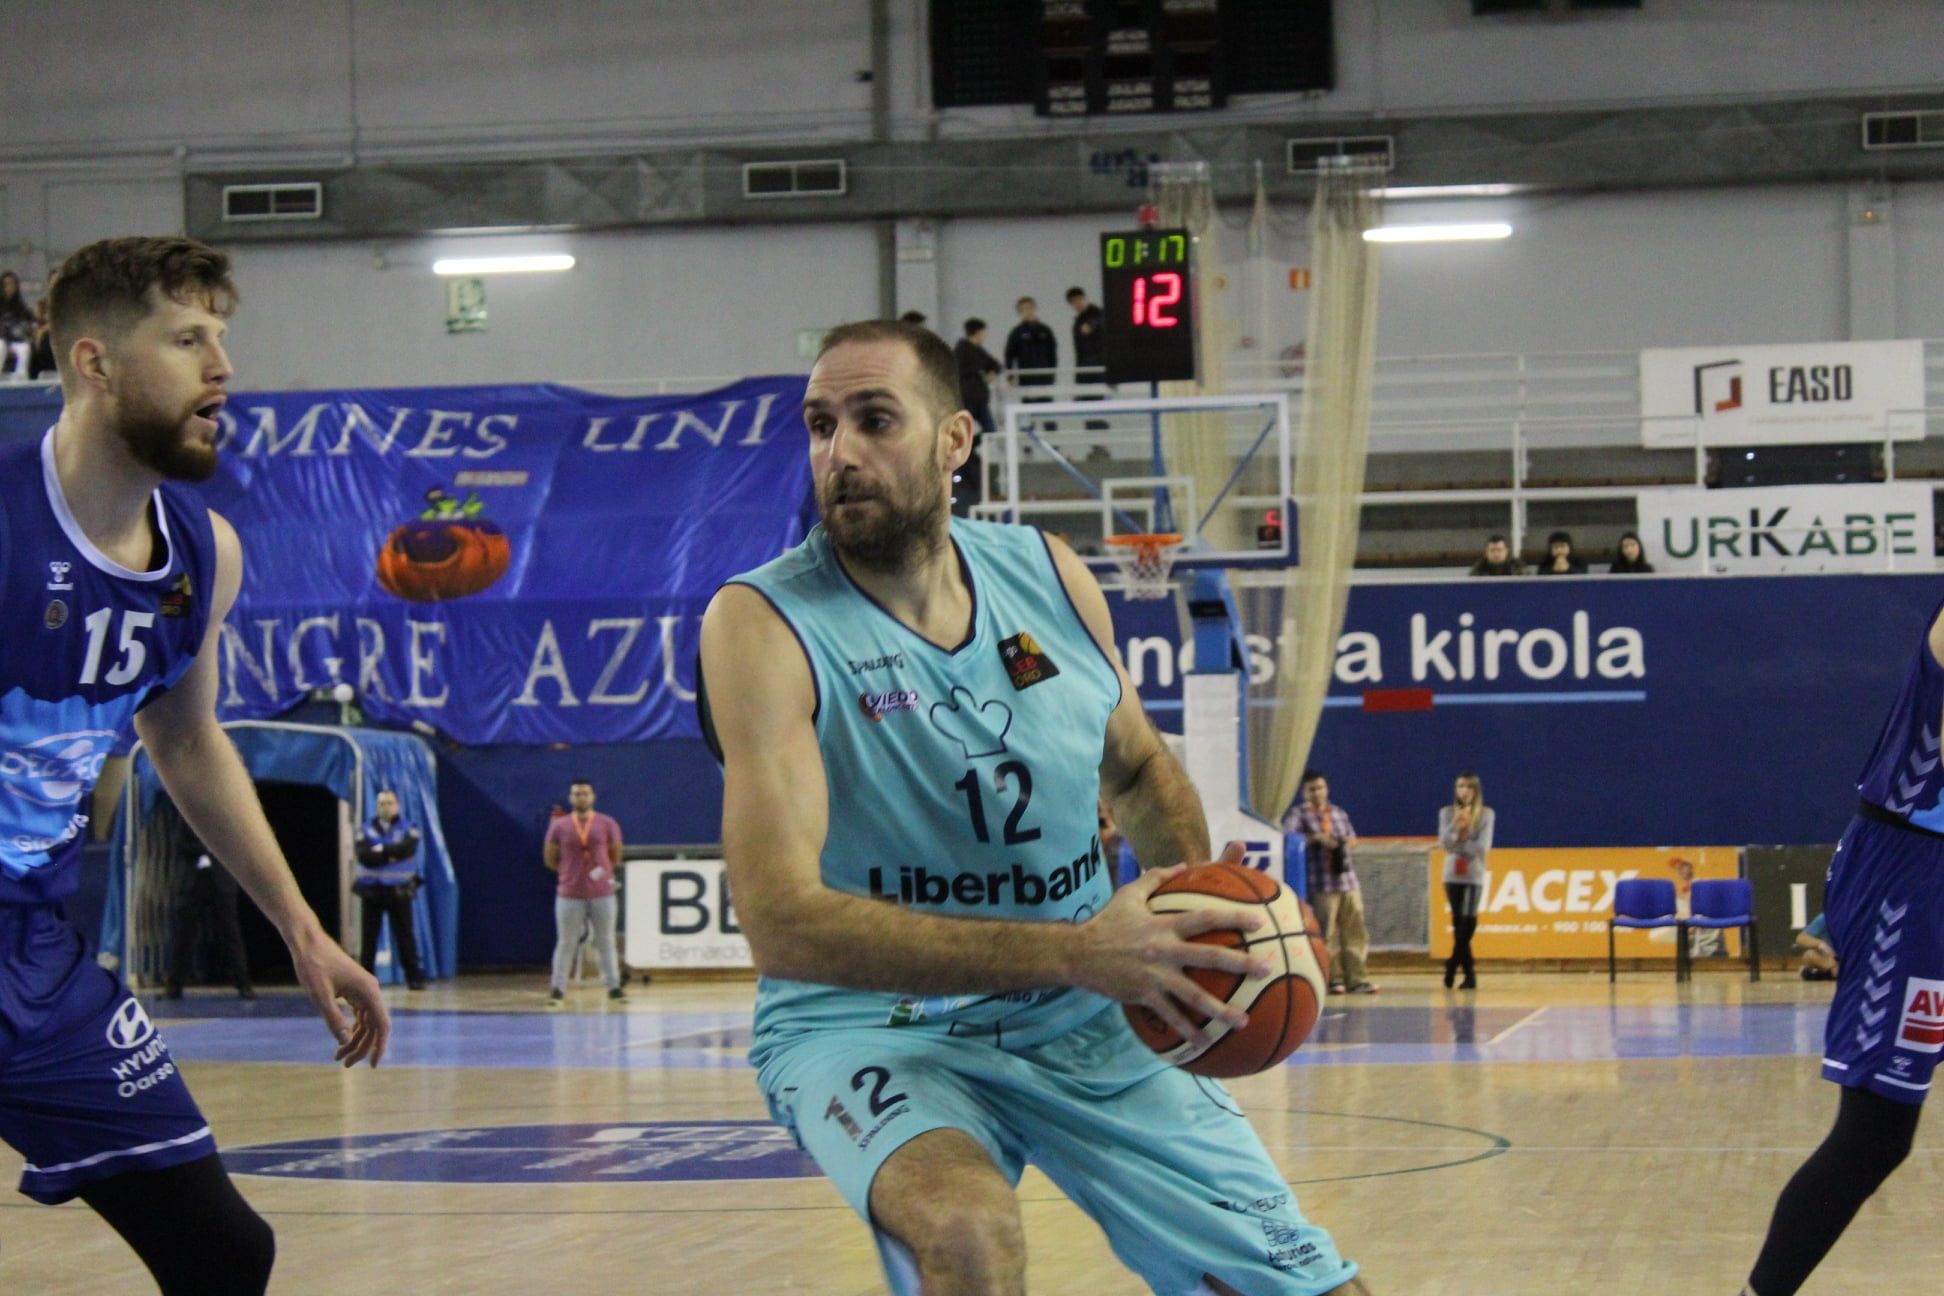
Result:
x=1163 y=1161
x=87 y=1087
x=1885 y=905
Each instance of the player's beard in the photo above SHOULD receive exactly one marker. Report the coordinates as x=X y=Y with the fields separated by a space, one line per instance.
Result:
x=164 y=442
x=886 y=527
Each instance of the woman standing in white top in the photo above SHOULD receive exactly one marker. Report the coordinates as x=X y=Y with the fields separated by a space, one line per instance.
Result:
x=1465 y=833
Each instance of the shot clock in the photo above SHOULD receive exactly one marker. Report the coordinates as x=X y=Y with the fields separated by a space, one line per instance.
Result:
x=1147 y=285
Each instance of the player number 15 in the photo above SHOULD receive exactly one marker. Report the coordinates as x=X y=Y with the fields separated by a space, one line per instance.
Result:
x=131 y=654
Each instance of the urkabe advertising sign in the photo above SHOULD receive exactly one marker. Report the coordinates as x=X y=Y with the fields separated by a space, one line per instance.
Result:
x=1875 y=527
x=1782 y=395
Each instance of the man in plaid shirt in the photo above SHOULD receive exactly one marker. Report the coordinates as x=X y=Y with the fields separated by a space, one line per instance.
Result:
x=1328 y=838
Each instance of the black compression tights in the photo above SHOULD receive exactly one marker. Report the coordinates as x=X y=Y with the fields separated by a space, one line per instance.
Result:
x=191 y=1228
x=1871 y=1138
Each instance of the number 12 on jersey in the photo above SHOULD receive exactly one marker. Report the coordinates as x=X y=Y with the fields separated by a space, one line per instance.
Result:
x=1015 y=834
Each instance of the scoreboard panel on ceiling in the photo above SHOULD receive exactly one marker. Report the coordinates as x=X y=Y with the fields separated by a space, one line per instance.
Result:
x=1147 y=290
x=1071 y=58
x=1108 y=57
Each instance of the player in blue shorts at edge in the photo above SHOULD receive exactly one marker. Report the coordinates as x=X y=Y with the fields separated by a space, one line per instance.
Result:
x=117 y=580
x=1884 y=903
x=915 y=715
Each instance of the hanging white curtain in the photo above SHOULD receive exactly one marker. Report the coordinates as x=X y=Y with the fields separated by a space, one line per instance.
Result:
x=1305 y=615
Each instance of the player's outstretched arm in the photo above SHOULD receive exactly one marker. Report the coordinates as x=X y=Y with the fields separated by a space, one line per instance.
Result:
x=775 y=815
x=208 y=783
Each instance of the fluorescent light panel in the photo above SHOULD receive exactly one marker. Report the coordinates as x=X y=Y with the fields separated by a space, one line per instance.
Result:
x=1437 y=233
x=503 y=264
x=1449 y=191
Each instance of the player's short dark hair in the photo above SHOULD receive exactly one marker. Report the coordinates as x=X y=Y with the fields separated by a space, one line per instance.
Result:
x=1560 y=537
x=586 y=783
x=1076 y=291
x=937 y=369
x=1497 y=537
x=106 y=285
x=974 y=325
x=1310 y=776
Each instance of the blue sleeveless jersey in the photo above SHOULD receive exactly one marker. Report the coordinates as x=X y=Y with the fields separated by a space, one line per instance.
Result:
x=1903 y=774
x=84 y=642
x=963 y=781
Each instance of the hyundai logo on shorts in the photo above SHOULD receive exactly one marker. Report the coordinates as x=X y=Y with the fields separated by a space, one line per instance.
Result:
x=130 y=1027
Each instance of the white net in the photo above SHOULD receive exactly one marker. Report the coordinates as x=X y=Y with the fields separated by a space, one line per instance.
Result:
x=1144 y=562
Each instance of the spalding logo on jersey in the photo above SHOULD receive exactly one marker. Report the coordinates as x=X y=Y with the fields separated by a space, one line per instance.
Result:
x=52 y=771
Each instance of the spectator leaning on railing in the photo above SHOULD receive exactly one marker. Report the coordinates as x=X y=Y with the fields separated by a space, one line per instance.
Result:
x=1498 y=559
x=1632 y=559
x=1560 y=558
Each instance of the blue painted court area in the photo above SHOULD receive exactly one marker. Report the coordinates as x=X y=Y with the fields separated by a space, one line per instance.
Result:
x=1359 y=1033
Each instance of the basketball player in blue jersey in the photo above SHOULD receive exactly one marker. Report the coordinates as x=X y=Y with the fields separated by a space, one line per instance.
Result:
x=915 y=715
x=116 y=583
x=1885 y=907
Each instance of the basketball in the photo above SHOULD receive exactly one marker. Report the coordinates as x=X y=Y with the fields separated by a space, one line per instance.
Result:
x=1283 y=1005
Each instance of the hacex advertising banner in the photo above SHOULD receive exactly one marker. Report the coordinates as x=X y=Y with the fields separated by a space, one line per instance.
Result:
x=1873 y=527
x=504 y=564
x=1780 y=395
x=1545 y=904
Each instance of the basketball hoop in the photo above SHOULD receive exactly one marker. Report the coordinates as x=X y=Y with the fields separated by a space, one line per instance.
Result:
x=1144 y=562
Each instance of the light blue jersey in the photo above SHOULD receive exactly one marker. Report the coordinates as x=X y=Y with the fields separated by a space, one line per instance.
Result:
x=963 y=780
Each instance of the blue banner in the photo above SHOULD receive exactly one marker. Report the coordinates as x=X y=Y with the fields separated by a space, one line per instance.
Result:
x=505 y=564
x=1608 y=711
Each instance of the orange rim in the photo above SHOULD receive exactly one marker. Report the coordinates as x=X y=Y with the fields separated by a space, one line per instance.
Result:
x=1151 y=544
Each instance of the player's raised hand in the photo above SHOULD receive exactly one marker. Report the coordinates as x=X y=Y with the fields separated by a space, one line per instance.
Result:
x=1135 y=956
x=328 y=974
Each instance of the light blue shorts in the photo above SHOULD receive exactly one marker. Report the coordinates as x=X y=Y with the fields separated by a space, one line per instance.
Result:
x=1163 y=1161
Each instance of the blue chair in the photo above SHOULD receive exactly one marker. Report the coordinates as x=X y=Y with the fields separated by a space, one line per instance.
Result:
x=1727 y=902
x=1645 y=902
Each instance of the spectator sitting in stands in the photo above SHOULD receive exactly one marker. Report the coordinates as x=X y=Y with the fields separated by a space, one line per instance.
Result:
x=1632 y=559
x=1561 y=560
x=1498 y=559
x=16 y=324
x=40 y=354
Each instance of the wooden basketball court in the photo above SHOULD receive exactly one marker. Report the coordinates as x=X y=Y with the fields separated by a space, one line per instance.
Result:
x=1545 y=1134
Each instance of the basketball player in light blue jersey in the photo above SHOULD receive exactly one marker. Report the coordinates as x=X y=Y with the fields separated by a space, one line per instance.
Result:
x=915 y=715
x=115 y=582
x=1884 y=904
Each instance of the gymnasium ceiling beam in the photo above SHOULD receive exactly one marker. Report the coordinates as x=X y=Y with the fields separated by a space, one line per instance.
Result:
x=1097 y=170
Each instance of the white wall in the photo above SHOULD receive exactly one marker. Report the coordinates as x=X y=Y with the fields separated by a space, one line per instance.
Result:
x=225 y=75
x=636 y=306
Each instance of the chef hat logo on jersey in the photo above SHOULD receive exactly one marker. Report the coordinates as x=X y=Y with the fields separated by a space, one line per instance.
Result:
x=53 y=771
x=130 y=1027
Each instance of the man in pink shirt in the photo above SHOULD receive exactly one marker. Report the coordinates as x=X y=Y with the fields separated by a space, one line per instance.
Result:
x=584 y=848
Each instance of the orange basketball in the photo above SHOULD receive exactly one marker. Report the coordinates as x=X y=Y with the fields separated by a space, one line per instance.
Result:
x=1283 y=1006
